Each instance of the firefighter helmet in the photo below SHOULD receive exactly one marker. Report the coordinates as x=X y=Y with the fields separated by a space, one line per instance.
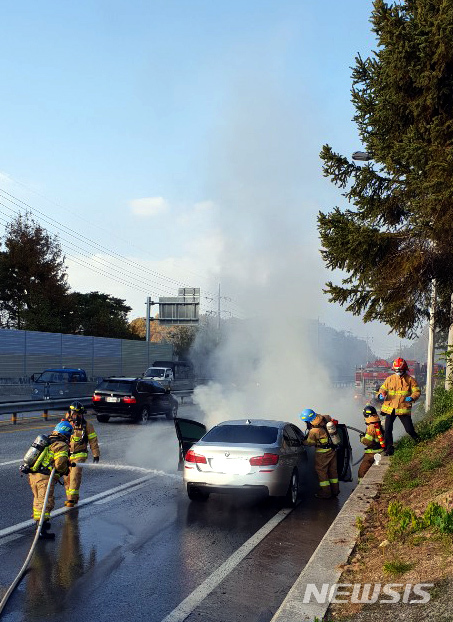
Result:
x=369 y=410
x=308 y=415
x=64 y=428
x=399 y=366
x=370 y=414
x=77 y=407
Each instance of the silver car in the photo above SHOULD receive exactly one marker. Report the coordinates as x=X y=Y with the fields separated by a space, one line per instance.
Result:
x=245 y=455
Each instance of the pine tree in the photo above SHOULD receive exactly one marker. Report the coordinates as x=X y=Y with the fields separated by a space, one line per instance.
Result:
x=396 y=235
x=33 y=283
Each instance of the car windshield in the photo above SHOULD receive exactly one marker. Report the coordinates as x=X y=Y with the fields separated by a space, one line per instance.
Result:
x=155 y=372
x=52 y=376
x=256 y=434
x=114 y=385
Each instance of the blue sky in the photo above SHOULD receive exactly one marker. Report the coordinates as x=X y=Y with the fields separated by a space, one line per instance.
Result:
x=181 y=139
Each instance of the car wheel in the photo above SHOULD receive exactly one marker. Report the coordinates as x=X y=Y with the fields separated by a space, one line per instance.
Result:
x=293 y=490
x=173 y=413
x=102 y=418
x=195 y=494
x=144 y=414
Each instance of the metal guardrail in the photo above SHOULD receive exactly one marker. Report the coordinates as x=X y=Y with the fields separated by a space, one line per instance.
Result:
x=14 y=408
x=30 y=406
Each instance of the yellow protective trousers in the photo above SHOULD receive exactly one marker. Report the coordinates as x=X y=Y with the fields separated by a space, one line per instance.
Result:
x=326 y=470
x=72 y=482
x=38 y=483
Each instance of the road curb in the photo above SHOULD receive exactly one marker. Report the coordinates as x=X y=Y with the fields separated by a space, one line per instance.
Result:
x=326 y=564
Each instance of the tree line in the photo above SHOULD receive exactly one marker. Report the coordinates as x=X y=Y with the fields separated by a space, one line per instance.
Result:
x=35 y=293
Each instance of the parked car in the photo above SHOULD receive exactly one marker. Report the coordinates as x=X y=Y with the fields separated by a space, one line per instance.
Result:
x=245 y=455
x=183 y=374
x=59 y=382
x=163 y=375
x=135 y=398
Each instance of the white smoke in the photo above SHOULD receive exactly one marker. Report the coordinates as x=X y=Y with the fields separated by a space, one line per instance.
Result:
x=263 y=172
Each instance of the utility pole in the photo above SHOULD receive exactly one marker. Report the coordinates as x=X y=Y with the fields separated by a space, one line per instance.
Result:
x=430 y=361
x=449 y=366
x=148 y=320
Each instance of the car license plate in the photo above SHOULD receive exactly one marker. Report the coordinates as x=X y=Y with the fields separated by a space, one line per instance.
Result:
x=231 y=466
x=112 y=399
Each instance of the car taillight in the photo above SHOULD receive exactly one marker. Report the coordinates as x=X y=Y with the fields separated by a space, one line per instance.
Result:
x=129 y=399
x=96 y=398
x=265 y=460
x=191 y=456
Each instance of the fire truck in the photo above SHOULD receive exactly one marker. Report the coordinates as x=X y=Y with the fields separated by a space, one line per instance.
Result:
x=368 y=379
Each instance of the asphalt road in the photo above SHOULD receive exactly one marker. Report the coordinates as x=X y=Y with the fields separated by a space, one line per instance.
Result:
x=138 y=549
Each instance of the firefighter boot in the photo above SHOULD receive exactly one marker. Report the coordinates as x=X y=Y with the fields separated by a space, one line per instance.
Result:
x=45 y=534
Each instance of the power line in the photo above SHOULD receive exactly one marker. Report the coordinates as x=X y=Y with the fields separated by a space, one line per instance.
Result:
x=77 y=215
x=86 y=240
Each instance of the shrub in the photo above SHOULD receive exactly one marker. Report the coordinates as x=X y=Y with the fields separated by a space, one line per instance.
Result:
x=438 y=517
x=397 y=567
x=403 y=521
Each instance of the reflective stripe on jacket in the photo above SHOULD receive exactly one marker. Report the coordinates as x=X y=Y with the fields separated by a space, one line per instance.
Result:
x=317 y=436
x=371 y=440
x=54 y=455
x=83 y=435
x=395 y=389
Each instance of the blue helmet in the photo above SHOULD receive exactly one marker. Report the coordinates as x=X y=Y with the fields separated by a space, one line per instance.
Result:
x=64 y=428
x=308 y=415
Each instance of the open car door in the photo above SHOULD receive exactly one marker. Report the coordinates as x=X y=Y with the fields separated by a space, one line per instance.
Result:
x=188 y=433
x=344 y=455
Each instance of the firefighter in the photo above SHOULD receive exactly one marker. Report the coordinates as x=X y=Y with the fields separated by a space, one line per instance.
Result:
x=373 y=439
x=398 y=391
x=56 y=454
x=83 y=435
x=325 y=455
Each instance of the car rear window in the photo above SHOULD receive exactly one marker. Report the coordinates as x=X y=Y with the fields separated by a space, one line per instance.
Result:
x=115 y=385
x=257 y=434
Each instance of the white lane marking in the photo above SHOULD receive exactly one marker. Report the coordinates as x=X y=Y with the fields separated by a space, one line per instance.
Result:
x=13 y=536
x=29 y=523
x=10 y=462
x=192 y=601
x=120 y=494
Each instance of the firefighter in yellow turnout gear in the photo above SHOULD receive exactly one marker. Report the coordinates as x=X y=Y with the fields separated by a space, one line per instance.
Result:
x=82 y=436
x=325 y=455
x=373 y=439
x=399 y=391
x=56 y=454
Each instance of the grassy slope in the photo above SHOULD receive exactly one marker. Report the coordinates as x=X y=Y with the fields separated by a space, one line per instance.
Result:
x=407 y=536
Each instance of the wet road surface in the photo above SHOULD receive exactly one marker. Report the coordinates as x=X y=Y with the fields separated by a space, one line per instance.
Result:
x=143 y=551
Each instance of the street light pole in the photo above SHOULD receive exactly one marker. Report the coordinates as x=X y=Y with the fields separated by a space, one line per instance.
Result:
x=430 y=361
x=364 y=156
x=449 y=366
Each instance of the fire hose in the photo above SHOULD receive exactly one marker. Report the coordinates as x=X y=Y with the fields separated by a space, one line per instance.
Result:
x=22 y=571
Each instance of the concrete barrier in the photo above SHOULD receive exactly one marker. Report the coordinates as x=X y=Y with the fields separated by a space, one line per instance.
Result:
x=325 y=565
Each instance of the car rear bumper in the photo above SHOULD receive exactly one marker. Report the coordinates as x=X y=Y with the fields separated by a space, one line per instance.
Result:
x=248 y=489
x=118 y=412
x=222 y=482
